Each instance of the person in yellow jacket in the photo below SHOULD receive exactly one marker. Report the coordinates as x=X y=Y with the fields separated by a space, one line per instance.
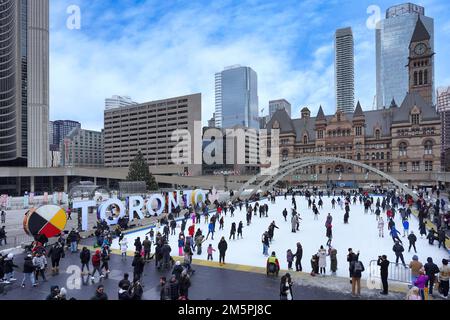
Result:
x=273 y=260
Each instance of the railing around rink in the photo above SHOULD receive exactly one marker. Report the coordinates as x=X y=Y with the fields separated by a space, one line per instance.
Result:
x=396 y=272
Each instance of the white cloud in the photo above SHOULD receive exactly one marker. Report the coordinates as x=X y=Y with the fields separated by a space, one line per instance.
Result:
x=177 y=55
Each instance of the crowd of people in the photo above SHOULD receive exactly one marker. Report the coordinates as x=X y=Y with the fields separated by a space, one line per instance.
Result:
x=191 y=240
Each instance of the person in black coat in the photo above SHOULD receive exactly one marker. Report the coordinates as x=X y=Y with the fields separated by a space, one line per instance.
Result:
x=351 y=256
x=298 y=257
x=138 y=244
x=233 y=231
x=174 y=289
x=55 y=254
x=412 y=241
x=223 y=246
x=138 y=266
x=398 y=250
x=124 y=293
x=177 y=270
x=431 y=269
x=54 y=293
x=100 y=294
x=441 y=238
x=383 y=262
x=28 y=271
x=137 y=291
x=185 y=283
x=165 y=250
x=85 y=257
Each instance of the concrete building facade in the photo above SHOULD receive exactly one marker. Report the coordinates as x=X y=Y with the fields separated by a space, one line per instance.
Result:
x=344 y=65
x=82 y=148
x=148 y=127
x=24 y=105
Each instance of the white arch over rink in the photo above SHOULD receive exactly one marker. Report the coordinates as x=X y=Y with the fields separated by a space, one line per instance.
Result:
x=290 y=166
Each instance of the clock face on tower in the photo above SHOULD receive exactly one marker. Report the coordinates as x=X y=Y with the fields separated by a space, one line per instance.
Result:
x=420 y=49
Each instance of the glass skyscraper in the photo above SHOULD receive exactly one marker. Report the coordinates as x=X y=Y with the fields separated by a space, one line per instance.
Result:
x=237 y=98
x=393 y=36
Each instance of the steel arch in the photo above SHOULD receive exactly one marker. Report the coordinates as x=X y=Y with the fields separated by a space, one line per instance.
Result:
x=298 y=163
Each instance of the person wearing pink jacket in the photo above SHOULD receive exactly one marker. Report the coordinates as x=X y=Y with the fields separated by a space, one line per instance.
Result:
x=210 y=251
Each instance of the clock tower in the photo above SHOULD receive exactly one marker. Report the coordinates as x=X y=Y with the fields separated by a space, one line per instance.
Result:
x=421 y=63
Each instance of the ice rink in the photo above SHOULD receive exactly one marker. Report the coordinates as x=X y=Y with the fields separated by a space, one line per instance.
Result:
x=360 y=234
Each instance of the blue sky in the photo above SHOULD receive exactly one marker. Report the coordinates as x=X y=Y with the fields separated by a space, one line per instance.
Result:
x=155 y=49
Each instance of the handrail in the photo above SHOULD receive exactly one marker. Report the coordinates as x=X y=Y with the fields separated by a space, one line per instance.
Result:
x=396 y=272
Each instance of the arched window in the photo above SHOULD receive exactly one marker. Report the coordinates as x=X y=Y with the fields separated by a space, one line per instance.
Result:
x=402 y=148
x=367 y=156
x=373 y=155
x=382 y=156
x=305 y=139
x=285 y=155
x=415 y=78
x=377 y=134
x=429 y=147
x=425 y=77
x=420 y=77
x=358 y=156
x=378 y=156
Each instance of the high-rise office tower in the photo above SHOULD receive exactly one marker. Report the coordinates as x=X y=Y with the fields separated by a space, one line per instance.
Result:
x=344 y=65
x=393 y=38
x=24 y=84
x=60 y=129
x=237 y=97
x=443 y=107
x=275 y=105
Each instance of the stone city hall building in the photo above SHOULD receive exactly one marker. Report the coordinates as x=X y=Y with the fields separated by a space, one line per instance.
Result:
x=404 y=141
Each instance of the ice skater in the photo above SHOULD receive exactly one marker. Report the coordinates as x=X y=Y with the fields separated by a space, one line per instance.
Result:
x=239 y=230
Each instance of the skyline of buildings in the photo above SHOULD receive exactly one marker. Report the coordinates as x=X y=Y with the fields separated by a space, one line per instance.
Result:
x=393 y=36
x=344 y=70
x=236 y=87
x=236 y=97
x=24 y=68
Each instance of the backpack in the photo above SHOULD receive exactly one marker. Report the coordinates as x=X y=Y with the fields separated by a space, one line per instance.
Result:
x=358 y=266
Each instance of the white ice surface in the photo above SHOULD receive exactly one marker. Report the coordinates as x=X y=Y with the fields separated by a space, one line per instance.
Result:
x=360 y=234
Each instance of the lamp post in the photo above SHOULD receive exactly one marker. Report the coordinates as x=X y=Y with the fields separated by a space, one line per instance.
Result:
x=225 y=178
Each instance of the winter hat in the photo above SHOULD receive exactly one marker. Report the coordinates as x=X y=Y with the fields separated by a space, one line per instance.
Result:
x=444 y=262
x=178 y=263
x=430 y=260
x=415 y=258
x=10 y=256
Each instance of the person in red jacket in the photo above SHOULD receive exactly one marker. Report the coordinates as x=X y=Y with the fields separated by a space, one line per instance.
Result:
x=191 y=230
x=96 y=260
